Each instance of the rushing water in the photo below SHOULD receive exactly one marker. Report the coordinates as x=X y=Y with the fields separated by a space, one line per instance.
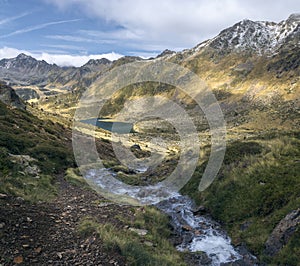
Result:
x=198 y=233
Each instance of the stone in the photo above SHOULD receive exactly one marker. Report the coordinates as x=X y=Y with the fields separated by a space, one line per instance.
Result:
x=3 y=196
x=282 y=233
x=140 y=232
x=38 y=250
x=18 y=260
x=245 y=226
x=148 y=243
x=199 y=210
x=187 y=227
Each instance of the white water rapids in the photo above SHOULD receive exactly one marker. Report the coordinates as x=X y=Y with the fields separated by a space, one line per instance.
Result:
x=199 y=233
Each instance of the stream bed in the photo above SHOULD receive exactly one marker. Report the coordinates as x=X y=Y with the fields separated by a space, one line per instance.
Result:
x=194 y=231
x=198 y=232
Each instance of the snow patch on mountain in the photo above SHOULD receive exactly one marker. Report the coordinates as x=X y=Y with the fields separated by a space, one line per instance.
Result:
x=262 y=37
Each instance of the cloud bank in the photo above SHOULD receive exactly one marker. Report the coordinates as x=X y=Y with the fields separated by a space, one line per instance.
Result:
x=59 y=59
x=177 y=23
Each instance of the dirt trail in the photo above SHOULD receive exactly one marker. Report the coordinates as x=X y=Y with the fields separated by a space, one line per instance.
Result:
x=45 y=233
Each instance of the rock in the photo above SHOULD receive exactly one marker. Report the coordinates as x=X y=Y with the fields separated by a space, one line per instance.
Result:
x=2 y=225
x=148 y=243
x=198 y=232
x=198 y=258
x=140 y=232
x=18 y=260
x=19 y=199
x=187 y=228
x=38 y=250
x=200 y=210
x=187 y=237
x=282 y=233
x=3 y=196
x=245 y=226
x=244 y=67
x=9 y=96
x=135 y=147
x=27 y=164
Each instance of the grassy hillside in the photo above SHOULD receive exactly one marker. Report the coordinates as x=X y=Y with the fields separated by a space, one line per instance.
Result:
x=32 y=151
x=257 y=186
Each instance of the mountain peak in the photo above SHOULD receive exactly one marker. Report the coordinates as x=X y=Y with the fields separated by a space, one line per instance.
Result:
x=23 y=56
x=294 y=17
x=261 y=37
x=166 y=52
x=97 y=62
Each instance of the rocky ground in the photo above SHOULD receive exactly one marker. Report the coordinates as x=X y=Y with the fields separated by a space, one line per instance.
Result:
x=46 y=233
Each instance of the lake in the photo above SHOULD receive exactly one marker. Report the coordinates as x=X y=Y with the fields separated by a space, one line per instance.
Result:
x=109 y=125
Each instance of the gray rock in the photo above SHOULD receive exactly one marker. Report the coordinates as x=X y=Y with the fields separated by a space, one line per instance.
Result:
x=3 y=196
x=282 y=233
x=140 y=232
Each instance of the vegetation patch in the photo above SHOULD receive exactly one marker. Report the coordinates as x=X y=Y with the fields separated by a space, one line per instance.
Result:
x=257 y=186
x=148 y=248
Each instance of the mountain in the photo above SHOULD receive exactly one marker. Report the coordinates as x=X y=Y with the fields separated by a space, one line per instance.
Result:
x=33 y=78
x=278 y=43
x=253 y=70
x=261 y=37
x=9 y=97
x=25 y=70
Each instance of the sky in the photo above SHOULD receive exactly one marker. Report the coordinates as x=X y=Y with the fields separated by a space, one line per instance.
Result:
x=70 y=32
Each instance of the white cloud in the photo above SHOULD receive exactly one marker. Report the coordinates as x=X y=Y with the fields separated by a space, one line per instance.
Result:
x=82 y=39
x=37 y=27
x=59 y=59
x=7 y=52
x=10 y=19
x=177 y=23
x=74 y=60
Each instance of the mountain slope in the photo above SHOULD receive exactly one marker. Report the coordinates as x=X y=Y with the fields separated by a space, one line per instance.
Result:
x=33 y=79
x=253 y=70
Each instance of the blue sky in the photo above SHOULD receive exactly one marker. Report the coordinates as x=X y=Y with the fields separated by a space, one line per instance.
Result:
x=69 y=32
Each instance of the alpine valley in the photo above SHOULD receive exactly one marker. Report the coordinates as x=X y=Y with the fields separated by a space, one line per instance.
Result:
x=49 y=215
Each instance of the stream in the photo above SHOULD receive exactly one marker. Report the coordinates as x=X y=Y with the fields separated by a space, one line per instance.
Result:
x=196 y=232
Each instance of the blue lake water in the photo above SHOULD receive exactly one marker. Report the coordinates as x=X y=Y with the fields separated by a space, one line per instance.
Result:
x=115 y=127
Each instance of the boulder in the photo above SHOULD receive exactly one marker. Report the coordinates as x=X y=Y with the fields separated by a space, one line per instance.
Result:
x=282 y=233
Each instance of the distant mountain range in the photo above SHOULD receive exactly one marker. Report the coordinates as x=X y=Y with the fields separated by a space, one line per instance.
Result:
x=278 y=42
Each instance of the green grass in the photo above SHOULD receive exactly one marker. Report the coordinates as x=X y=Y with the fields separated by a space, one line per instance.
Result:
x=74 y=177
x=258 y=185
x=14 y=181
x=24 y=134
x=133 y=247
